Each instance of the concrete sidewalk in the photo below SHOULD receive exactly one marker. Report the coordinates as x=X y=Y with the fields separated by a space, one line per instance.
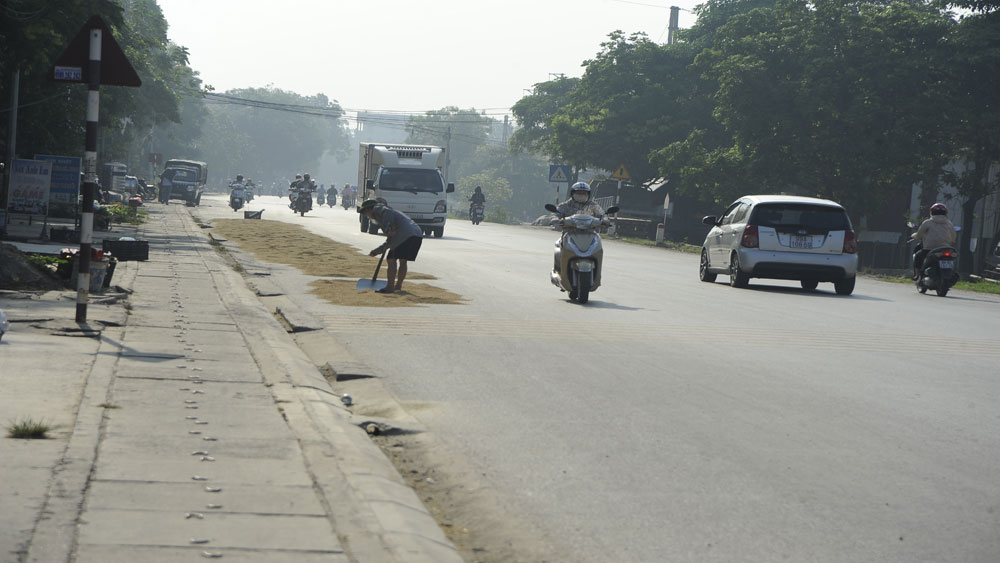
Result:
x=192 y=427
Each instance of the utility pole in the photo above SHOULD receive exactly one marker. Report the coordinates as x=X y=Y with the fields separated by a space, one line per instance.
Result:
x=673 y=26
x=505 y=122
x=15 y=85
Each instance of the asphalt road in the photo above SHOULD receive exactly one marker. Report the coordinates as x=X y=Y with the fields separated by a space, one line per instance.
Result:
x=675 y=420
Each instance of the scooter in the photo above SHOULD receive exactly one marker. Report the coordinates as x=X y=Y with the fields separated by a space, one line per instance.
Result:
x=938 y=270
x=301 y=201
x=236 y=199
x=320 y=199
x=476 y=213
x=331 y=199
x=579 y=254
x=347 y=201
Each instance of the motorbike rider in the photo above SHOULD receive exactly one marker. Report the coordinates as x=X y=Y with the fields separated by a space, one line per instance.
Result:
x=579 y=202
x=236 y=190
x=331 y=195
x=477 y=198
x=933 y=233
x=403 y=238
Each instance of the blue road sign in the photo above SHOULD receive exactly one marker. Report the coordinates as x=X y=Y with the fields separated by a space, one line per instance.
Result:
x=558 y=173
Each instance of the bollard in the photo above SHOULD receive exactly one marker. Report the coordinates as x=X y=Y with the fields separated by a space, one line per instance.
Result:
x=659 y=233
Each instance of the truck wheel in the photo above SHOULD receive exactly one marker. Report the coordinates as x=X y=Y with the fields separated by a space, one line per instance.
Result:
x=364 y=223
x=439 y=232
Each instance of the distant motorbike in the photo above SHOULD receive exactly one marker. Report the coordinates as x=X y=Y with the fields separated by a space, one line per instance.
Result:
x=347 y=201
x=249 y=194
x=301 y=201
x=579 y=254
x=320 y=199
x=476 y=212
x=331 y=199
x=236 y=198
x=938 y=270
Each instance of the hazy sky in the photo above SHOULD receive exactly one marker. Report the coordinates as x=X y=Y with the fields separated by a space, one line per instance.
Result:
x=405 y=55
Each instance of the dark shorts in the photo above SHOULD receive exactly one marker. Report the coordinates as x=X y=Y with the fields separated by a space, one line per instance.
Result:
x=408 y=250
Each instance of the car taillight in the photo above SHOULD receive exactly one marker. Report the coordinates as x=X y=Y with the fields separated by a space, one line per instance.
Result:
x=750 y=238
x=850 y=242
x=441 y=207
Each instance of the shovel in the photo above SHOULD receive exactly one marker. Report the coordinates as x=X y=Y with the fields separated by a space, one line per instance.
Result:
x=374 y=283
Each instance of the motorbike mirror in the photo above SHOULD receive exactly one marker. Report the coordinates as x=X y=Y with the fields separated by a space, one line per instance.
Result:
x=910 y=224
x=550 y=207
x=709 y=220
x=612 y=210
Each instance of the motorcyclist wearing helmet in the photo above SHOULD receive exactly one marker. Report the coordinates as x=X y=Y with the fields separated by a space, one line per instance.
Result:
x=933 y=233
x=237 y=190
x=580 y=202
x=477 y=197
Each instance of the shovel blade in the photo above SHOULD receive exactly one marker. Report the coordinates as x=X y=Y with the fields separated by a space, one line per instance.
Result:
x=369 y=284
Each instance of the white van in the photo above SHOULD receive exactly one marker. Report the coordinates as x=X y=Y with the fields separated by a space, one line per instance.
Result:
x=409 y=179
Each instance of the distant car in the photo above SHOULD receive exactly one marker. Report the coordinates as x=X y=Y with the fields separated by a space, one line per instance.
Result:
x=781 y=237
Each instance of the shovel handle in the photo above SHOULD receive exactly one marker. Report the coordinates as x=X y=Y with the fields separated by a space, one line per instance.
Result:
x=379 y=267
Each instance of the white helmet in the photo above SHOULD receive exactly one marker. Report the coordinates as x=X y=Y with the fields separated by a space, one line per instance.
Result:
x=580 y=187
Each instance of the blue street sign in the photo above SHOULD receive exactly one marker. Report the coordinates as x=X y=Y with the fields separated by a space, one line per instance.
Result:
x=559 y=173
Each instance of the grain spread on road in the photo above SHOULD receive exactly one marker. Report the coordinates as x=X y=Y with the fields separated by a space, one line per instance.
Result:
x=316 y=255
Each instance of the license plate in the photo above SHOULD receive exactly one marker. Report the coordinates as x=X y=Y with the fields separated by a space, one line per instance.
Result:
x=801 y=242
x=947 y=264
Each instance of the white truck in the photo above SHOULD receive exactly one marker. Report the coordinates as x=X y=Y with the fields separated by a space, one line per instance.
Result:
x=408 y=178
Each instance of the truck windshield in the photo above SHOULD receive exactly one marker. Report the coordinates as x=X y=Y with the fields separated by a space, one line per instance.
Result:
x=409 y=180
x=184 y=175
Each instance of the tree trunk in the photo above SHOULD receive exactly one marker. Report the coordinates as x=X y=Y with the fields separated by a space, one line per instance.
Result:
x=965 y=256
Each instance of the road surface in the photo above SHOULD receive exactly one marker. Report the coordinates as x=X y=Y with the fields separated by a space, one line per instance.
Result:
x=675 y=420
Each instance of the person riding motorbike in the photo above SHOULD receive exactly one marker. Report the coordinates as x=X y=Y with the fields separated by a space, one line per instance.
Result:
x=477 y=197
x=303 y=187
x=237 y=191
x=580 y=202
x=331 y=195
x=933 y=233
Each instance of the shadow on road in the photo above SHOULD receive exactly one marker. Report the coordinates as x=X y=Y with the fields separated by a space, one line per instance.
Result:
x=817 y=293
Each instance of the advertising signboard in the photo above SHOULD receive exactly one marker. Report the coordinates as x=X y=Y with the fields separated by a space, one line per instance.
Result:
x=65 y=184
x=29 y=187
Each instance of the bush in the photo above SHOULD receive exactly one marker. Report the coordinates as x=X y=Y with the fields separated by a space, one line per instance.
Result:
x=497 y=214
x=121 y=214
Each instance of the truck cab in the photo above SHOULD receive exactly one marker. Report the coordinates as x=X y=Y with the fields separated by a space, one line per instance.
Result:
x=188 y=179
x=409 y=179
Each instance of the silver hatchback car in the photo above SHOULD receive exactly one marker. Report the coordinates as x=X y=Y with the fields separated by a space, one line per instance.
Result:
x=781 y=237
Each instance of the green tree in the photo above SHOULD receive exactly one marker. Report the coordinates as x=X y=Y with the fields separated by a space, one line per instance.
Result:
x=972 y=119
x=270 y=134
x=460 y=131
x=32 y=36
x=833 y=99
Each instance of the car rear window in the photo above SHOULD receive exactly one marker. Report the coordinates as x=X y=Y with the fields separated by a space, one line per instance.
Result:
x=796 y=216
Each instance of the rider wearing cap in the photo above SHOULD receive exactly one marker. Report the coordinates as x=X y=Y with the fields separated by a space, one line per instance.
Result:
x=403 y=238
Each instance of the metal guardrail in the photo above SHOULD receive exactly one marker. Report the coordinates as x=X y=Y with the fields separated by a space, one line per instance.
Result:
x=605 y=202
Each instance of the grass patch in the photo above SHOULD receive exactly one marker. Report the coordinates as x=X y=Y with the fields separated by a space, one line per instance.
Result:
x=978 y=287
x=28 y=429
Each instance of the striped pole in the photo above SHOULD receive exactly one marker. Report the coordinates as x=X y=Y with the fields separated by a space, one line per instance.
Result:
x=90 y=176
